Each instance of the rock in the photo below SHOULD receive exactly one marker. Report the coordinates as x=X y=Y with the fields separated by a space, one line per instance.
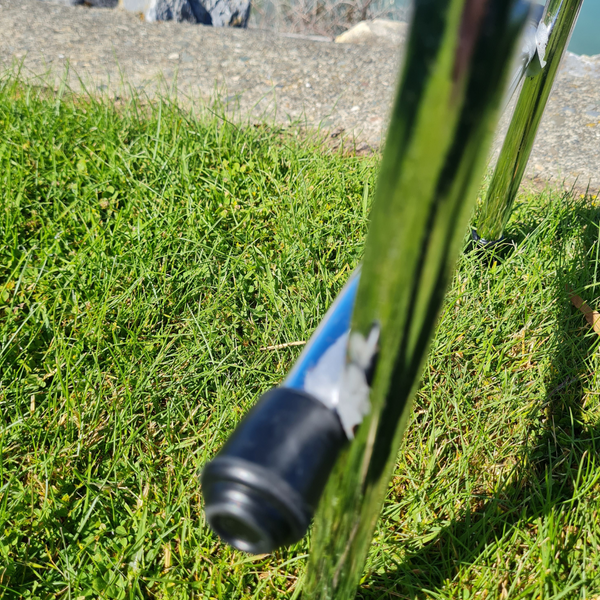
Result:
x=228 y=13
x=94 y=3
x=177 y=10
x=374 y=32
x=219 y=13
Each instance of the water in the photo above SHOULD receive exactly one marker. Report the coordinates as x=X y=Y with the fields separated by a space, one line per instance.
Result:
x=586 y=37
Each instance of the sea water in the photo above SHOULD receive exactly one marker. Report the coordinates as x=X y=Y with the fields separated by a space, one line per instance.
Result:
x=586 y=37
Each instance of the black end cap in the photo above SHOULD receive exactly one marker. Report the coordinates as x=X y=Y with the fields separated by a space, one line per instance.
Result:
x=251 y=510
x=262 y=488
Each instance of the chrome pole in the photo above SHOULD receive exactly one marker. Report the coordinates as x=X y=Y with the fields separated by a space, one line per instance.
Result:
x=552 y=38
x=457 y=62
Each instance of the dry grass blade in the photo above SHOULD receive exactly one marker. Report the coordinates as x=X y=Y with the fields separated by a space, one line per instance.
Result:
x=280 y=346
x=591 y=316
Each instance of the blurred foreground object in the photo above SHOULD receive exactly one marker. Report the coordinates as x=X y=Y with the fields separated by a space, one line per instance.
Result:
x=349 y=393
x=262 y=489
x=458 y=60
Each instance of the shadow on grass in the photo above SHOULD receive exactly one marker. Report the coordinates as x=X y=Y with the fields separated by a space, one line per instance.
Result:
x=561 y=450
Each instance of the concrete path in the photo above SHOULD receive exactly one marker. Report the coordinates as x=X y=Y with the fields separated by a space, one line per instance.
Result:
x=265 y=76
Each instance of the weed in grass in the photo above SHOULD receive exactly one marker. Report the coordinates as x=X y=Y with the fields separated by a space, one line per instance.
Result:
x=147 y=256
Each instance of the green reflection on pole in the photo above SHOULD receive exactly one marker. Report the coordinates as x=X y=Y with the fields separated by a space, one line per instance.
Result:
x=559 y=20
x=457 y=61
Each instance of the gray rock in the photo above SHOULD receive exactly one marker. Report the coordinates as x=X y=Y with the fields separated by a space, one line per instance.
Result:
x=219 y=13
x=94 y=3
x=228 y=13
x=177 y=10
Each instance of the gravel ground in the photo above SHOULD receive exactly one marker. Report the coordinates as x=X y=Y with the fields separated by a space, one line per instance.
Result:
x=264 y=75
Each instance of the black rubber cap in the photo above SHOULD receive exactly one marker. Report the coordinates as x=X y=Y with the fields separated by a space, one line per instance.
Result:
x=262 y=489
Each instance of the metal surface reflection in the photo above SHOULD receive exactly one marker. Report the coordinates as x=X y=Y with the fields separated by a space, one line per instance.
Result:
x=320 y=368
x=528 y=52
x=457 y=62
x=552 y=38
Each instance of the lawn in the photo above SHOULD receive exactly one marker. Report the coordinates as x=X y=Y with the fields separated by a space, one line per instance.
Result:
x=149 y=255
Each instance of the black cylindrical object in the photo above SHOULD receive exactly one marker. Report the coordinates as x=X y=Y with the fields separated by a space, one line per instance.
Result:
x=263 y=487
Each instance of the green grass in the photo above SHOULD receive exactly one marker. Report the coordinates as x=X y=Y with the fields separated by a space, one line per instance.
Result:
x=146 y=257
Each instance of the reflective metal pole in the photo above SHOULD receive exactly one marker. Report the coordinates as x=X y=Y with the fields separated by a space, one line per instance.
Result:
x=457 y=61
x=553 y=36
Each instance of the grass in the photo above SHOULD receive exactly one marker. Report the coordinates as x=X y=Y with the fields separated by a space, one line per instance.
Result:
x=146 y=257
